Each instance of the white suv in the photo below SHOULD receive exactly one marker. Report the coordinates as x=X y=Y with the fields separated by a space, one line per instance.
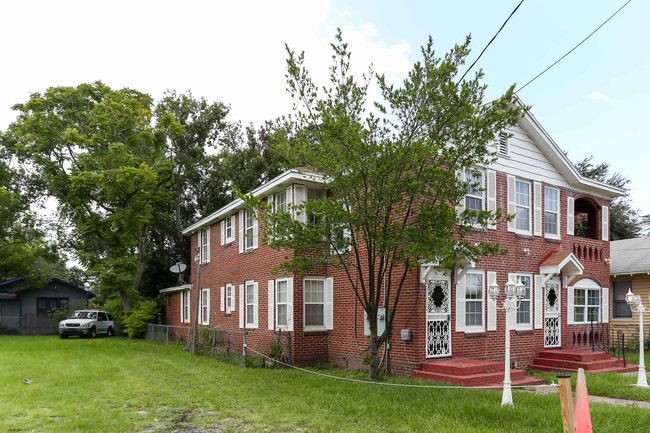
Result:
x=87 y=323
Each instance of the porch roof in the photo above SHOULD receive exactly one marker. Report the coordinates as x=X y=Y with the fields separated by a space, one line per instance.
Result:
x=566 y=263
x=176 y=288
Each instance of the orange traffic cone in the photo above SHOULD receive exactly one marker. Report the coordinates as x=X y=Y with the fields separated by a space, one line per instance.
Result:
x=581 y=407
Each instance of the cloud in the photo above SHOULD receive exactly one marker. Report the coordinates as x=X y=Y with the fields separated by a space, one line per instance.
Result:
x=598 y=96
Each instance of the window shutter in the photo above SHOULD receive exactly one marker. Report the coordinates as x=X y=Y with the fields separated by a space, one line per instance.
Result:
x=569 y=307
x=569 y=215
x=206 y=320
x=233 y=303
x=290 y=304
x=255 y=231
x=232 y=229
x=182 y=298
x=512 y=209
x=492 y=195
x=512 y=320
x=223 y=232
x=539 y=313
x=288 y=197
x=605 y=304
x=460 y=207
x=460 y=305
x=207 y=234
x=300 y=195
x=605 y=225
x=241 y=305
x=222 y=293
x=329 y=303
x=537 y=208
x=269 y=201
x=256 y=304
x=271 y=305
x=241 y=231
x=491 y=304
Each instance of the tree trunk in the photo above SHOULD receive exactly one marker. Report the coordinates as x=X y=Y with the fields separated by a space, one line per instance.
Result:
x=374 y=349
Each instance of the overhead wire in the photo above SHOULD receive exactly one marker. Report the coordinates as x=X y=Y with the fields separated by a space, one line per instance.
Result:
x=572 y=49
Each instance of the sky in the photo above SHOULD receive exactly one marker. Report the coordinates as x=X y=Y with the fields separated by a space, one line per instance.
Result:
x=594 y=102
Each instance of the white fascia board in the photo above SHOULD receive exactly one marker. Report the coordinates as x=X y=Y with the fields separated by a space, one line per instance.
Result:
x=552 y=151
x=286 y=178
x=175 y=289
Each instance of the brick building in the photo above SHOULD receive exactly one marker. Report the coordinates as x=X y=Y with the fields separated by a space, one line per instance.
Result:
x=558 y=249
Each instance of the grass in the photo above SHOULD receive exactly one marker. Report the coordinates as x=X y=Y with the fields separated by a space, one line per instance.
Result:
x=119 y=385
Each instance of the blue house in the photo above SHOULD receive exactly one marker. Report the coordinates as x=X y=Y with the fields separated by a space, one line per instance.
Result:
x=24 y=308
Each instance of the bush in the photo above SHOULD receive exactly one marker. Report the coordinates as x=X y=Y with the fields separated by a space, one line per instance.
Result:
x=135 y=322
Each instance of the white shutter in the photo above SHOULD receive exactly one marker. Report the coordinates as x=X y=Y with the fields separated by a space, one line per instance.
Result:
x=182 y=298
x=241 y=231
x=491 y=304
x=241 y=305
x=512 y=320
x=569 y=215
x=605 y=304
x=207 y=255
x=329 y=303
x=537 y=208
x=223 y=232
x=206 y=320
x=269 y=200
x=290 y=304
x=605 y=225
x=300 y=196
x=492 y=195
x=255 y=229
x=460 y=207
x=271 y=305
x=512 y=208
x=222 y=295
x=256 y=304
x=569 y=307
x=460 y=305
x=288 y=197
x=539 y=295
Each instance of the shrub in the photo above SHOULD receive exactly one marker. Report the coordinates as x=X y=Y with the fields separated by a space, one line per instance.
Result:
x=135 y=322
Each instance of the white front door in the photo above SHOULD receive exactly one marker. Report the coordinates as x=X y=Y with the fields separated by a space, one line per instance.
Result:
x=552 y=316
x=438 y=317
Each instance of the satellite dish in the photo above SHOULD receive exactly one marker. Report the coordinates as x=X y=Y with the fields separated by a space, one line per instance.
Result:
x=178 y=268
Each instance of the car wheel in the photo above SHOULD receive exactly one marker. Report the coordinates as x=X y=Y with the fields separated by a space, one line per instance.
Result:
x=63 y=337
x=110 y=332
x=93 y=332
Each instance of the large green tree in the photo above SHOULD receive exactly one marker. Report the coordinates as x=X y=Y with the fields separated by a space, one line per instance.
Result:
x=624 y=220
x=391 y=172
x=95 y=150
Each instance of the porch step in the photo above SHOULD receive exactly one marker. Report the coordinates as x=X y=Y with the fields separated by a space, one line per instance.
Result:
x=572 y=360
x=471 y=372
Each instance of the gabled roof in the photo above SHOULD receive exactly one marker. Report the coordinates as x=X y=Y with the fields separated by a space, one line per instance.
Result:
x=629 y=256
x=566 y=263
x=560 y=161
x=285 y=179
x=6 y=285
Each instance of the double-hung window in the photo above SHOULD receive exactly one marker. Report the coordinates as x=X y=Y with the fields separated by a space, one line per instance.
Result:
x=621 y=308
x=522 y=206
x=314 y=302
x=280 y=201
x=551 y=212
x=474 y=301
x=230 y=298
x=524 y=312
x=250 y=224
x=475 y=200
x=230 y=229
x=281 y=296
x=185 y=306
x=586 y=305
x=205 y=306
x=204 y=245
x=251 y=304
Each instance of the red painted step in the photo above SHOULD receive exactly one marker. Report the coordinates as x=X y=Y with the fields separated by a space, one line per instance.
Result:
x=471 y=372
x=572 y=360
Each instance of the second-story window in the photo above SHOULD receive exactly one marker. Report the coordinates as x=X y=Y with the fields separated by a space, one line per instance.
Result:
x=522 y=204
x=551 y=212
x=280 y=201
x=250 y=224
x=204 y=245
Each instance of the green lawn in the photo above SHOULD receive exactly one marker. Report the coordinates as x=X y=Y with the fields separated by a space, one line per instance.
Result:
x=120 y=385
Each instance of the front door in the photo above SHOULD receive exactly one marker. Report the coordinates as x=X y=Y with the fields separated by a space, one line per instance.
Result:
x=552 y=316
x=438 y=316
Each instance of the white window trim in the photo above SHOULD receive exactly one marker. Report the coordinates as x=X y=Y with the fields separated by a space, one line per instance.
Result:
x=531 y=300
x=231 y=238
x=471 y=329
x=328 y=305
x=585 y=306
x=558 y=214
x=528 y=231
x=185 y=305
x=230 y=296
x=205 y=306
x=287 y=303
x=252 y=229
x=204 y=245
x=251 y=323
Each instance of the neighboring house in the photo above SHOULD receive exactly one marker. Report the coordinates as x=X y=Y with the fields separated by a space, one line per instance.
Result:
x=558 y=248
x=24 y=308
x=630 y=270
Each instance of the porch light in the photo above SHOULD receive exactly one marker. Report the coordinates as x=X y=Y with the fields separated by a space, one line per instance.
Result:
x=634 y=301
x=514 y=294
